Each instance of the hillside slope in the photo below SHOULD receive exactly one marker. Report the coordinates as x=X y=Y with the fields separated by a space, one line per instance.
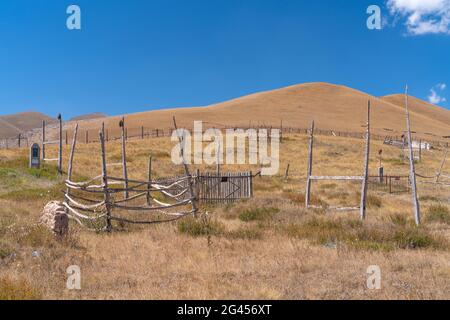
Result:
x=12 y=125
x=331 y=106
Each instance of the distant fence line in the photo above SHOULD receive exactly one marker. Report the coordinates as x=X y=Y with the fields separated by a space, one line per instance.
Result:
x=91 y=135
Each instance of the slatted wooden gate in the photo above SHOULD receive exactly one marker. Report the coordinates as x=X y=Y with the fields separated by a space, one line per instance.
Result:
x=227 y=187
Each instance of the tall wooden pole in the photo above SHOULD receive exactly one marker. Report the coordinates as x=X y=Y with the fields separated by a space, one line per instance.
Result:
x=60 y=145
x=310 y=163
x=149 y=186
x=411 y=163
x=124 y=158
x=43 y=139
x=188 y=175
x=366 y=168
x=105 y=184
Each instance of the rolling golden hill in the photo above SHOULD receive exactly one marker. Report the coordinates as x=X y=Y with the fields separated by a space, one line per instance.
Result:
x=12 y=125
x=333 y=107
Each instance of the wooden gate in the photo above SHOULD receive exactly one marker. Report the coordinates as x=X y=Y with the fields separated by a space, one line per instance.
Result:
x=224 y=188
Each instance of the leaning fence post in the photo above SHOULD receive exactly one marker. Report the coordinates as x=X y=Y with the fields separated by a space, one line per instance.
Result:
x=411 y=164
x=310 y=162
x=438 y=175
x=286 y=175
x=72 y=154
x=186 y=170
x=366 y=168
x=124 y=158
x=105 y=184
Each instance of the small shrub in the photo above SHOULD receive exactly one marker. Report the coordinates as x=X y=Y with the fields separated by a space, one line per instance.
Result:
x=398 y=219
x=246 y=234
x=257 y=214
x=37 y=236
x=412 y=238
x=5 y=250
x=200 y=227
x=438 y=213
x=18 y=290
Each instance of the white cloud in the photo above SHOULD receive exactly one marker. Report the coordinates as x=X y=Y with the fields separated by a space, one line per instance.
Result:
x=442 y=86
x=423 y=16
x=435 y=97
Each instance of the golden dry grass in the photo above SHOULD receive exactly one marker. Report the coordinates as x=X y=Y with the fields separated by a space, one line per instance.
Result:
x=269 y=247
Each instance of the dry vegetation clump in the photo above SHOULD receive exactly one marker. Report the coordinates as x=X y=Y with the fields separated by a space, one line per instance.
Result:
x=359 y=235
x=438 y=213
x=200 y=227
x=257 y=214
x=18 y=290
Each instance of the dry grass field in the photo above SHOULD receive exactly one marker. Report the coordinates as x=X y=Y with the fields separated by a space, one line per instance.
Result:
x=268 y=247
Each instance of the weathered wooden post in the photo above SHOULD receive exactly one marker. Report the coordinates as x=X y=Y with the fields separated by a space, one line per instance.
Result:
x=43 y=139
x=310 y=162
x=366 y=168
x=105 y=184
x=186 y=170
x=411 y=164
x=72 y=154
x=124 y=158
x=19 y=138
x=142 y=132
x=380 y=167
x=420 y=150
x=149 y=186
x=60 y=146
x=86 y=136
x=438 y=174
x=286 y=174
x=281 y=131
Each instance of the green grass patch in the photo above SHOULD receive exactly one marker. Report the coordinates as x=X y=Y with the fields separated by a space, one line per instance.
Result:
x=45 y=172
x=257 y=214
x=200 y=227
x=355 y=234
x=438 y=213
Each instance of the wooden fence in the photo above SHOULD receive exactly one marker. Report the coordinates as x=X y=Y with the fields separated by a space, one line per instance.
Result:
x=91 y=135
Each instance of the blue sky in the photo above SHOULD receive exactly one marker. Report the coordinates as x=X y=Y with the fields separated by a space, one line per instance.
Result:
x=139 y=55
